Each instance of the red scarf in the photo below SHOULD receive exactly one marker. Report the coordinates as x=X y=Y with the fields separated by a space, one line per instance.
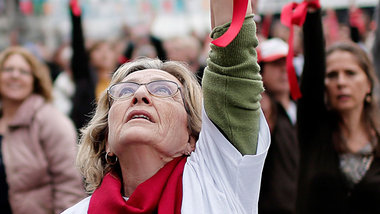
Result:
x=162 y=193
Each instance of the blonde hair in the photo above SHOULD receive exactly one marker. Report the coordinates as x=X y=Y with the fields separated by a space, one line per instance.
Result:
x=91 y=156
x=42 y=82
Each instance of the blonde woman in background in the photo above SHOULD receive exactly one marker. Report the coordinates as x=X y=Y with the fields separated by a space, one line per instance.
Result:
x=38 y=143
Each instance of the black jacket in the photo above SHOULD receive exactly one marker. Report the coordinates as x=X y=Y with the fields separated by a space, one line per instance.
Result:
x=322 y=185
x=279 y=179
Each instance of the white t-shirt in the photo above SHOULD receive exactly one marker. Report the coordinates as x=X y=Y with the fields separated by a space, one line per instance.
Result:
x=217 y=178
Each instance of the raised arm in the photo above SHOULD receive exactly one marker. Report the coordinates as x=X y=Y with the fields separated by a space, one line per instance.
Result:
x=84 y=96
x=79 y=60
x=232 y=84
x=311 y=107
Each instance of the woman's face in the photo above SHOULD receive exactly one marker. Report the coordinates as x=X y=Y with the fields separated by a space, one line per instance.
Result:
x=160 y=123
x=346 y=83
x=16 y=79
x=103 y=57
x=275 y=77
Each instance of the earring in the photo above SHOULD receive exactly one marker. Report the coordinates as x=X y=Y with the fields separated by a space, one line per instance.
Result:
x=368 y=98
x=111 y=159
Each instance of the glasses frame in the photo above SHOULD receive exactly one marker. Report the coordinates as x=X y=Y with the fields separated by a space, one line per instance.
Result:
x=113 y=98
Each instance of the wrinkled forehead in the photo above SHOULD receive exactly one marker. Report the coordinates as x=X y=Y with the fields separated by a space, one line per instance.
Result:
x=148 y=75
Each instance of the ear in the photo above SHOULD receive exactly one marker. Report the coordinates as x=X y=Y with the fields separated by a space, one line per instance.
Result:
x=191 y=143
x=107 y=147
x=369 y=88
x=190 y=146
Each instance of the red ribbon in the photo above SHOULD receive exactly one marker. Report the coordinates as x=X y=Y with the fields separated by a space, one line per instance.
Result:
x=239 y=11
x=75 y=8
x=295 y=14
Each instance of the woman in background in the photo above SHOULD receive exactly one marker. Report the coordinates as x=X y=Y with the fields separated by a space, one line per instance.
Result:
x=38 y=143
x=338 y=127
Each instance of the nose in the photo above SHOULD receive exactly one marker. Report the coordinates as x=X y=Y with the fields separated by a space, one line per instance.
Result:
x=142 y=96
x=341 y=79
x=15 y=72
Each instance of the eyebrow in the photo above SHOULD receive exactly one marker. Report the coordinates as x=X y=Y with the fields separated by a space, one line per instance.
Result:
x=153 y=79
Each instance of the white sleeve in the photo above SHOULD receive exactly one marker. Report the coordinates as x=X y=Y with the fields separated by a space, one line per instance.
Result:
x=218 y=178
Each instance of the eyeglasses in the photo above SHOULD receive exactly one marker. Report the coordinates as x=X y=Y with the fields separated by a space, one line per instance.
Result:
x=20 y=70
x=157 y=88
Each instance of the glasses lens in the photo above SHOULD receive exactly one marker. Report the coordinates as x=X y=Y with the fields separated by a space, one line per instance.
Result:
x=162 y=88
x=125 y=89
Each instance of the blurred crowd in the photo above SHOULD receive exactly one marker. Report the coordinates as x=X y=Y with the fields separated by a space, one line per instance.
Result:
x=47 y=98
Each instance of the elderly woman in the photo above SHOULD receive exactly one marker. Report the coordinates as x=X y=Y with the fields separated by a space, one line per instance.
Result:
x=38 y=143
x=147 y=151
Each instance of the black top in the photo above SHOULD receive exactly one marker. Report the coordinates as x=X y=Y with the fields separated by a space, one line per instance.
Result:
x=278 y=190
x=322 y=186
x=4 y=203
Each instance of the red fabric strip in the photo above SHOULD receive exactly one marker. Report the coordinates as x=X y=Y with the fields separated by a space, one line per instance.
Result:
x=162 y=193
x=75 y=8
x=239 y=11
x=294 y=14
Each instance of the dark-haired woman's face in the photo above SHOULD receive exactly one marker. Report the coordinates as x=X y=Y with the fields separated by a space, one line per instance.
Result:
x=346 y=82
x=16 y=79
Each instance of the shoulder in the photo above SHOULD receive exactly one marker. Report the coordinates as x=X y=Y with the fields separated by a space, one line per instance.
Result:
x=51 y=122
x=79 y=208
x=49 y=114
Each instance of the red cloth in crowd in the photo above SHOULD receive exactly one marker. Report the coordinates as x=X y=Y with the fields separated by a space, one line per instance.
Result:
x=294 y=14
x=75 y=8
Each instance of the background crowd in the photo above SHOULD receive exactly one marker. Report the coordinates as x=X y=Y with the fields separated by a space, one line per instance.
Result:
x=324 y=156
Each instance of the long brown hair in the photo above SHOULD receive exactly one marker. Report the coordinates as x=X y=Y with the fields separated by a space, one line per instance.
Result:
x=371 y=107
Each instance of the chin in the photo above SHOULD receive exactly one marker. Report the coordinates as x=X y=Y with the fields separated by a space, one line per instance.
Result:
x=138 y=134
x=343 y=108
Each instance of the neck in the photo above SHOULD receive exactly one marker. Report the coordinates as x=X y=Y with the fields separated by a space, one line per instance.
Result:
x=138 y=164
x=103 y=73
x=283 y=98
x=9 y=108
x=354 y=130
x=8 y=111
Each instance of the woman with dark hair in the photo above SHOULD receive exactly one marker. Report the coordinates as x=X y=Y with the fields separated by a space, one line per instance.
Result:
x=338 y=127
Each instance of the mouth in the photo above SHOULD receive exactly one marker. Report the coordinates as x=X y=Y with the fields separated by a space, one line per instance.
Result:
x=140 y=115
x=343 y=97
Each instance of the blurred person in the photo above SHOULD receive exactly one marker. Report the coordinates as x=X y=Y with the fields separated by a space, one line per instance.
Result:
x=185 y=49
x=278 y=191
x=144 y=43
x=146 y=150
x=278 y=30
x=63 y=86
x=91 y=71
x=38 y=143
x=338 y=127
x=103 y=61
x=360 y=25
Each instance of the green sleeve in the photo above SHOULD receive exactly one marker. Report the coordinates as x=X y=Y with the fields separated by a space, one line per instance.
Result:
x=232 y=87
